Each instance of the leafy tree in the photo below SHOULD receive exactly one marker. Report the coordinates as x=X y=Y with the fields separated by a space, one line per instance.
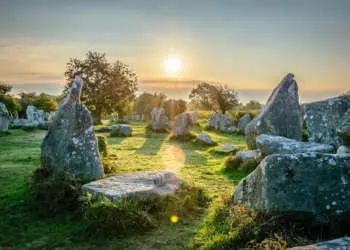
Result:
x=45 y=102
x=5 y=88
x=11 y=104
x=214 y=97
x=147 y=101
x=107 y=87
x=253 y=105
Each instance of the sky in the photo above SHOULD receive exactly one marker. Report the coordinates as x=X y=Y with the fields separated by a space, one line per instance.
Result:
x=249 y=44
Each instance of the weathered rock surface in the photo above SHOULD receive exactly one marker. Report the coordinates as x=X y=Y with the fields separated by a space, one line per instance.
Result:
x=324 y=117
x=71 y=144
x=249 y=154
x=4 y=118
x=142 y=184
x=269 y=144
x=120 y=130
x=182 y=125
x=41 y=115
x=160 y=120
x=315 y=183
x=243 y=122
x=343 y=130
x=31 y=114
x=281 y=114
x=221 y=122
x=228 y=147
x=337 y=244
x=205 y=139
x=343 y=150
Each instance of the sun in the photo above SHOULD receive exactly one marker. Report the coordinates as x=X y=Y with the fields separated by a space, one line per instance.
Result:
x=172 y=65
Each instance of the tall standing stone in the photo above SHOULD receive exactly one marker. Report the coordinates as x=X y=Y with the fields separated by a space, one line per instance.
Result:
x=31 y=113
x=41 y=115
x=159 y=119
x=71 y=144
x=281 y=114
x=322 y=119
x=243 y=122
x=182 y=125
x=4 y=118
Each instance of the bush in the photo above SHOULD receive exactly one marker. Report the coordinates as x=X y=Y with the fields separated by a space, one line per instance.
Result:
x=102 y=145
x=108 y=168
x=129 y=215
x=55 y=193
x=249 y=165
x=232 y=163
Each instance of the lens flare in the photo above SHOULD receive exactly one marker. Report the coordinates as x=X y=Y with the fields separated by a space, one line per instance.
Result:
x=174 y=219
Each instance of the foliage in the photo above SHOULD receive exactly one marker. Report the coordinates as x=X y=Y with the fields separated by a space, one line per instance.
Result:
x=252 y=105
x=11 y=104
x=5 y=88
x=102 y=145
x=29 y=128
x=249 y=165
x=55 y=193
x=145 y=102
x=214 y=97
x=129 y=215
x=42 y=101
x=107 y=87
x=232 y=163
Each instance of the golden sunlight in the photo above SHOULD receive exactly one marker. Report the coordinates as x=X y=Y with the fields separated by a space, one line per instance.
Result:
x=172 y=65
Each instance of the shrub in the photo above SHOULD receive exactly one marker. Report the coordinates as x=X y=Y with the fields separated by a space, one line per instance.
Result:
x=249 y=165
x=102 y=145
x=54 y=193
x=232 y=163
x=129 y=215
x=108 y=168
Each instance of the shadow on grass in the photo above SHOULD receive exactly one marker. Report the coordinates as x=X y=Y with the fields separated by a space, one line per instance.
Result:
x=191 y=152
x=152 y=144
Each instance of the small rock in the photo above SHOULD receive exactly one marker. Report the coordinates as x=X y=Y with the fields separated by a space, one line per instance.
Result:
x=249 y=154
x=205 y=139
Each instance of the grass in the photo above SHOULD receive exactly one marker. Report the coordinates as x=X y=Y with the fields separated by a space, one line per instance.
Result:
x=22 y=228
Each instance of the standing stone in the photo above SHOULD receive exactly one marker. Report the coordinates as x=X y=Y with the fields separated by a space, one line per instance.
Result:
x=31 y=113
x=243 y=122
x=195 y=117
x=323 y=118
x=182 y=125
x=118 y=130
x=314 y=183
x=159 y=119
x=221 y=122
x=71 y=144
x=281 y=114
x=41 y=115
x=142 y=117
x=52 y=115
x=4 y=118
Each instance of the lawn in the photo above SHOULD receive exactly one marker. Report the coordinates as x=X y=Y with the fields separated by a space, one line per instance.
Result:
x=21 y=228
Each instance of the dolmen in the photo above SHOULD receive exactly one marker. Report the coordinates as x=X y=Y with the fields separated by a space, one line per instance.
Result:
x=70 y=144
x=280 y=116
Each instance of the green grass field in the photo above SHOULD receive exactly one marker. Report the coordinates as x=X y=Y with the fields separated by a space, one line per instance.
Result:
x=21 y=228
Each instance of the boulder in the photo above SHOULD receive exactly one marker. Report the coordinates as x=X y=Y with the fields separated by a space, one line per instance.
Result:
x=243 y=122
x=120 y=130
x=336 y=244
x=182 y=125
x=343 y=130
x=4 y=118
x=322 y=119
x=249 y=154
x=280 y=116
x=205 y=139
x=227 y=148
x=343 y=150
x=144 y=185
x=221 y=122
x=18 y=123
x=41 y=115
x=159 y=119
x=270 y=144
x=314 y=183
x=71 y=144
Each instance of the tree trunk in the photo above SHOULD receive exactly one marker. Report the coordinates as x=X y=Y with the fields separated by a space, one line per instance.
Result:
x=96 y=116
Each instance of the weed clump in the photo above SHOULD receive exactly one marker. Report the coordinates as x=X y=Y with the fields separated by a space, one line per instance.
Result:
x=55 y=193
x=102 y=145
x=232 y=163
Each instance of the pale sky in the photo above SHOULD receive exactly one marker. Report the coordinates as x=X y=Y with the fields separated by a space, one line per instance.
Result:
x=249 y=44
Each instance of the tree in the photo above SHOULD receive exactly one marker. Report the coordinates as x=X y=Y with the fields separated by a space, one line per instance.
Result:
x=174 y=107
x=107 y=87
x=253 y=105
x=11 y=104
x=145 y=102
x=45 y=102
x=5 y=88
x=214 y=97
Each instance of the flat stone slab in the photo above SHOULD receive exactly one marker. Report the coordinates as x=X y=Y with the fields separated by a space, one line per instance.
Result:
x=337 y=244
x=142 y=184
x=227 y=147
x=269 y=144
